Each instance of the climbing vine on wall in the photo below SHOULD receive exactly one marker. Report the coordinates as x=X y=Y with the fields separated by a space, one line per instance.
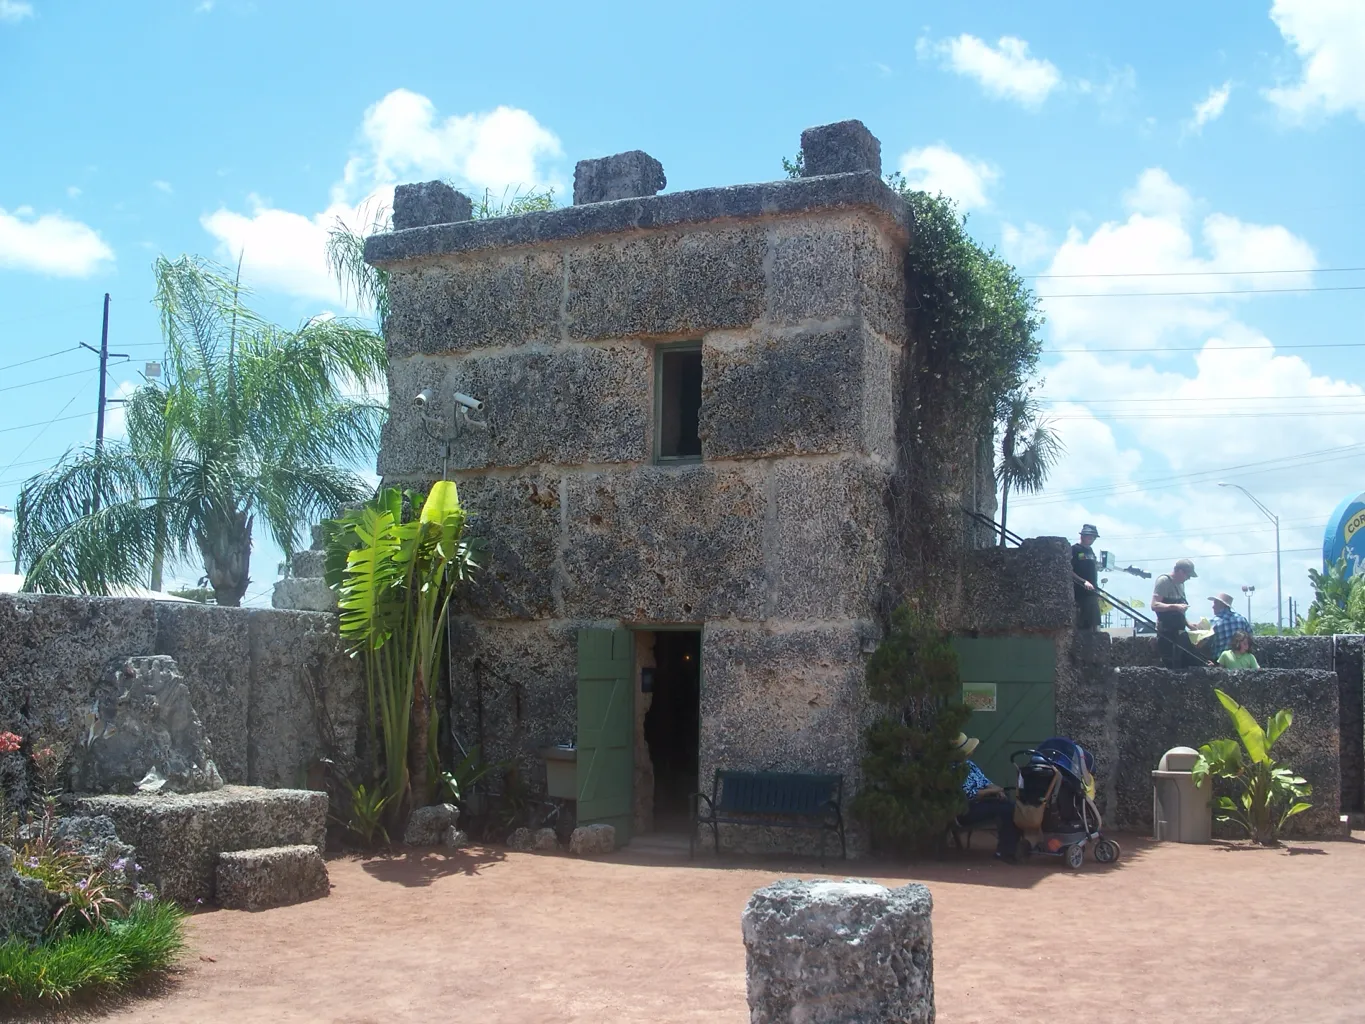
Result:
x=978 y=325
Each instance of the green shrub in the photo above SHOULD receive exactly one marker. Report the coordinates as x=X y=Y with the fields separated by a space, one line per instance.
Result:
x=912 y=774
x=109 y=957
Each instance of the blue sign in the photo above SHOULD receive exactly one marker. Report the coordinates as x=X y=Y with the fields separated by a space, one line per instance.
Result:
x=1346 y=536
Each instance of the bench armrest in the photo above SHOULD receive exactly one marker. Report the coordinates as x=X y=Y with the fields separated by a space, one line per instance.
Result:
x=696 y=799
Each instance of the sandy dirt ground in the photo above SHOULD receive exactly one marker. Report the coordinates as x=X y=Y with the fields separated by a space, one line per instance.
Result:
x=1172 y=933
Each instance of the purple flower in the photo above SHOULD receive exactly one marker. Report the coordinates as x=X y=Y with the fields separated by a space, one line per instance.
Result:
x=137 y=867
x=82 y=884
x=143 y=893
x=119 y=864
x=32 y=862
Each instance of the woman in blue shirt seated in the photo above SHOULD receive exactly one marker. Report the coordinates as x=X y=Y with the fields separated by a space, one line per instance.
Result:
x=987 y=803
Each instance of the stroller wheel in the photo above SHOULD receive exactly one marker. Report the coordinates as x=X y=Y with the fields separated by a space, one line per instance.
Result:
x=1075 y=856
x=1107 y=851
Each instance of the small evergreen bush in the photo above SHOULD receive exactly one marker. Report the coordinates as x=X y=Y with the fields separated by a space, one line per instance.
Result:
x=912 y=773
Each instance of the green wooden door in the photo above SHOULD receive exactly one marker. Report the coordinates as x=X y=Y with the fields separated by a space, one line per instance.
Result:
x=606 y=729
x=1009 y=683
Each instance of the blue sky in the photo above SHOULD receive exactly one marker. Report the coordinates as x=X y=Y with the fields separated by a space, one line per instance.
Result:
x=1198 y=142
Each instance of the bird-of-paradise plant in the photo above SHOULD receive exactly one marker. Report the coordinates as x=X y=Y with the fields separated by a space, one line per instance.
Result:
x=1270 y=793
x=395 y=576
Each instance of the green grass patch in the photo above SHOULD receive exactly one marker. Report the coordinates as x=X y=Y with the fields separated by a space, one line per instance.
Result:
x=149 y=939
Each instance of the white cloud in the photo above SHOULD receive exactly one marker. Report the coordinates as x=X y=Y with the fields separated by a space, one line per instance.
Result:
x=402 y=138
x=1150 y=432
x=73 y=191
x=1005 y=71
x=50 y=244
x=15 y=10
x=1164 y=247
x=282 y=250
x=204 y=7
x=1329 y=38
x=1026 y=245
x=938 y=168
x=1210 y=108
x=162 y=186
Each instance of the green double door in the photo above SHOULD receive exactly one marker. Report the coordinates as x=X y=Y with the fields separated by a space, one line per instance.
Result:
x=606 y=729
x=1009 y=682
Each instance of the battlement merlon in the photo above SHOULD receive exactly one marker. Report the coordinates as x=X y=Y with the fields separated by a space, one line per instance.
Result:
x=863 y=190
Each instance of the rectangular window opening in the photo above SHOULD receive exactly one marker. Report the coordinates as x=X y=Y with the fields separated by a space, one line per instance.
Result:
x=678 y=394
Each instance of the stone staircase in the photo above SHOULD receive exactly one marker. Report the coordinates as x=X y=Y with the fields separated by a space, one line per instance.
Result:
x=305 y=589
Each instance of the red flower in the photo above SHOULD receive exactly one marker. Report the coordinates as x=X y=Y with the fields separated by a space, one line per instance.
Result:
x=9 y=742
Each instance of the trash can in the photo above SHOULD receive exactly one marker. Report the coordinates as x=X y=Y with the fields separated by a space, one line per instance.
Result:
x=1181 y=812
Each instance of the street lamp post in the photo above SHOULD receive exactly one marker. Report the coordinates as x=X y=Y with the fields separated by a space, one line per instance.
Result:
x=1248 y=590
x=1279 y=605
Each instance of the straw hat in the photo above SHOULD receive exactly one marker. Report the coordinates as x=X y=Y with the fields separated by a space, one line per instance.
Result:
x=965 y=744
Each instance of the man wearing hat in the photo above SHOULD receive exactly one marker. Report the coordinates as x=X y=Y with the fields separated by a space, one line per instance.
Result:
x=1085 y=573
x=987 y=803
x=1170 y=605
x=1226 y=621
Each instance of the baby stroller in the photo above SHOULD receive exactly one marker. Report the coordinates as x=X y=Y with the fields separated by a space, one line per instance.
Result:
x=1055 y=803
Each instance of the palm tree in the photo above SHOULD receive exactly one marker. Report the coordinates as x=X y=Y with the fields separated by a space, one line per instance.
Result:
x=1029 y=448
x=250 y=422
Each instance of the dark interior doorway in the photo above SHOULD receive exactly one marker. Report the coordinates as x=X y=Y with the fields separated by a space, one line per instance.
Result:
x=673 y=725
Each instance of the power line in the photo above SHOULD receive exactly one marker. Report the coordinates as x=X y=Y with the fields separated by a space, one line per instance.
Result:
x=1211 y=399
x=1225 y=554
x=38 y=359
x=1121 y=416
x=1198 y=273
x=26 y=426
x=1154 y=350
x=1150 y=482
x=1227 y=291
x=48 y=424
x=46 y=380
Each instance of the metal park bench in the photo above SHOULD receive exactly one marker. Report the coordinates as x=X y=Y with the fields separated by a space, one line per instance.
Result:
x=774 y=800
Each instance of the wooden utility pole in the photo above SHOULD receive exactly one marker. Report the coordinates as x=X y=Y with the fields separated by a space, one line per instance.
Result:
x=104 y=354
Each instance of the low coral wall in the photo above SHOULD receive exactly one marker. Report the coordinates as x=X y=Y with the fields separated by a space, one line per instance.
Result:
x=1027 y=589
x=1129 y=716
x=274 y=688
x=1339 y=654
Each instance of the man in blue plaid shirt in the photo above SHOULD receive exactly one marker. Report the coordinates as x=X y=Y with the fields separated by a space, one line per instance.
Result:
x=1225 y=623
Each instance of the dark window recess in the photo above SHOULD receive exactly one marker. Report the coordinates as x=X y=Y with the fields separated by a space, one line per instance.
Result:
x=679 y=404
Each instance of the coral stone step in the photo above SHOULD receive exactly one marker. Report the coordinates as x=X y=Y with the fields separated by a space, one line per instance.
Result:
x=272 y=877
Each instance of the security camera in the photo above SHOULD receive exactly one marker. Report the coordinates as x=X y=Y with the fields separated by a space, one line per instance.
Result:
x=422 y=399
x=467 y=402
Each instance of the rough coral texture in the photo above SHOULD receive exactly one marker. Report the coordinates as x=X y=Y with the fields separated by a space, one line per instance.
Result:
x=429 y=202
x=1341 y=655
x=546 y=841
x=1026 y=589
x=275 y=876
x=826 y=952
x=179 y=836
x=274 y=690
x=592 y=840
x=1129 y=716
x=840 y=148
x=620 y=176
x=26 y=907
x=143 y=733
x=521 y=839
x=776 y=544
x=427 y=826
